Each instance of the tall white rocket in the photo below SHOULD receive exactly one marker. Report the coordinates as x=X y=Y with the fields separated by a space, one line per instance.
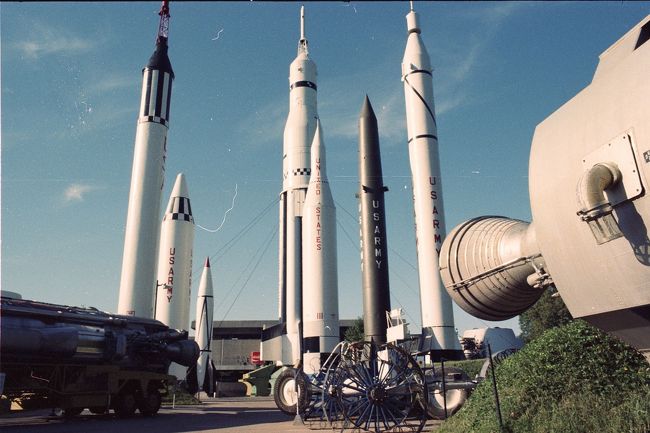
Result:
x=137 y=283
x=175 y=259
x=204 y=312
x=320 y=301
x=438 y=330
x=298 y=136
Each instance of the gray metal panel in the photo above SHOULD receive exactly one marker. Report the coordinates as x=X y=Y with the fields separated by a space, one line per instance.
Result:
x=591 y=278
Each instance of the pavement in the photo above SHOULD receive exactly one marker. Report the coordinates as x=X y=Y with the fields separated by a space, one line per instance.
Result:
x=224 y=415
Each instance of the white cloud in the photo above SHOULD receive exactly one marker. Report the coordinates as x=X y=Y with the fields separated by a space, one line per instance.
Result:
x=76 y=192
x=265 y=124
x=451 y=89
x=45 y=40
x=111 y=83
x=499 y=11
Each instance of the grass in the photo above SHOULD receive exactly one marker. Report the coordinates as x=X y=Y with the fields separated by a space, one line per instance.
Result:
x=182 y=397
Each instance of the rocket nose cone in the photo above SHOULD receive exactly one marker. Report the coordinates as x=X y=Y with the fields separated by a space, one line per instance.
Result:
x=318 y=138
x=180 y=187
x=366 y=109
x=318 y=169
x=207 y=262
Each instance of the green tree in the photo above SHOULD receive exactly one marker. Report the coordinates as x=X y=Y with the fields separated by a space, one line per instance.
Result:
x=355 y=332
x=547 y=313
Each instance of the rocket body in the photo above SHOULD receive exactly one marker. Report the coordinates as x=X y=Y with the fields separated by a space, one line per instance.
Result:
x=175 y=259
x=372 y=216
x=136 y=296
x=204 y=315
x=298 y=136
x=437 y=315
x=320 y=306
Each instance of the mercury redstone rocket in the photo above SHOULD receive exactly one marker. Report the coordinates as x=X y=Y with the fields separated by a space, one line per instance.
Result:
x=204 y=313
x=438 y=330
x=137 y=283
x=372 y=216
x=298 y=136
x=320 y=307
x=174 y=281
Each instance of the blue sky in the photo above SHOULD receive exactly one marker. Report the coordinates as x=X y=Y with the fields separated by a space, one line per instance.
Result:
x=71 y=79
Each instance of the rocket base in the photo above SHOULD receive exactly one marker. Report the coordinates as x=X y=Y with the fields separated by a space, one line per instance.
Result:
x=430 y=344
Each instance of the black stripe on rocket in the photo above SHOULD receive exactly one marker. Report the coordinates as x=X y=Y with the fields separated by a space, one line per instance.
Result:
x=309 y=84
x=156 y=97
x=426 y=105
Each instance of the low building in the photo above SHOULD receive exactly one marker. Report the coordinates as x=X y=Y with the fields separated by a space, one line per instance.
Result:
x=235 y=341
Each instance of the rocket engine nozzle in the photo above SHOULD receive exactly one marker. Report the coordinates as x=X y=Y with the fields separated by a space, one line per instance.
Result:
x=492 y=268
x=184 y=352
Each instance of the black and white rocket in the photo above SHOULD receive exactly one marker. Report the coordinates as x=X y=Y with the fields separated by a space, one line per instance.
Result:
x=438 y=330
x=174 y=282
x=298 y=136
x=320 y=301
x=372 y=216
x=175 y=259
x=137 y=283
x=203 y=336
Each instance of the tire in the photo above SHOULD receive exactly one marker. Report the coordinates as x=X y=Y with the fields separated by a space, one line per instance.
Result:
x=149 y=404
x=125 y=405
x=284 y=392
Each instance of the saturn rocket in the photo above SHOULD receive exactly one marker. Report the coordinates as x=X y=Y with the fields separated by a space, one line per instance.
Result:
x=204 y=312
x=174 y=281
x=136 y=295
x=438 y=330
x=320 y=306
x=298 y=136
x=372 y=216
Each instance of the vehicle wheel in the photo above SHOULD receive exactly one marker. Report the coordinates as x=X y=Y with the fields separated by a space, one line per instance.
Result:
x=149 y=404
x=71 y=412
x=125 y=405
x=284 y=391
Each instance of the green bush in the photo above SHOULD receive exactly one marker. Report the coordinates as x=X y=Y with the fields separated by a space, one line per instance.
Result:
x=574 y=379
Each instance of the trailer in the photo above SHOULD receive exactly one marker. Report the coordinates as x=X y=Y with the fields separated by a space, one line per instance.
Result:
x=72 y=358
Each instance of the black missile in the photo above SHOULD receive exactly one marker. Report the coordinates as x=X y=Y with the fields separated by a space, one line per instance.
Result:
x=372 y=216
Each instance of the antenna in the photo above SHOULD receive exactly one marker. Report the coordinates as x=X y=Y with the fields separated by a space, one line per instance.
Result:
x=163 y=28
x=302 y=23
x=302 y=44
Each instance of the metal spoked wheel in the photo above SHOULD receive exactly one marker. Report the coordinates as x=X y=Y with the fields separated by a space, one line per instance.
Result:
x=323 y=410
x=380 y=389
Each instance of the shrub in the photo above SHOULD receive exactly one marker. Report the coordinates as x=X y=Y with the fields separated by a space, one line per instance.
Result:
x=573 y=378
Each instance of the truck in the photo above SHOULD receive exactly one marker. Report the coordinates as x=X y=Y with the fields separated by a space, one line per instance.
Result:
x=72 y=358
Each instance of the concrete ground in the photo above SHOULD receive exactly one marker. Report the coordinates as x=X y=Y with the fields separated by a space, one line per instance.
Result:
x=237 y=415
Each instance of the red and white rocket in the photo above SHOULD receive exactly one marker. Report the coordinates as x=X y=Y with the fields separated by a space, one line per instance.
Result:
x=175 y=259
x=438 y=330
x=203 y=336
x=136 y=297
x=320 y=302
